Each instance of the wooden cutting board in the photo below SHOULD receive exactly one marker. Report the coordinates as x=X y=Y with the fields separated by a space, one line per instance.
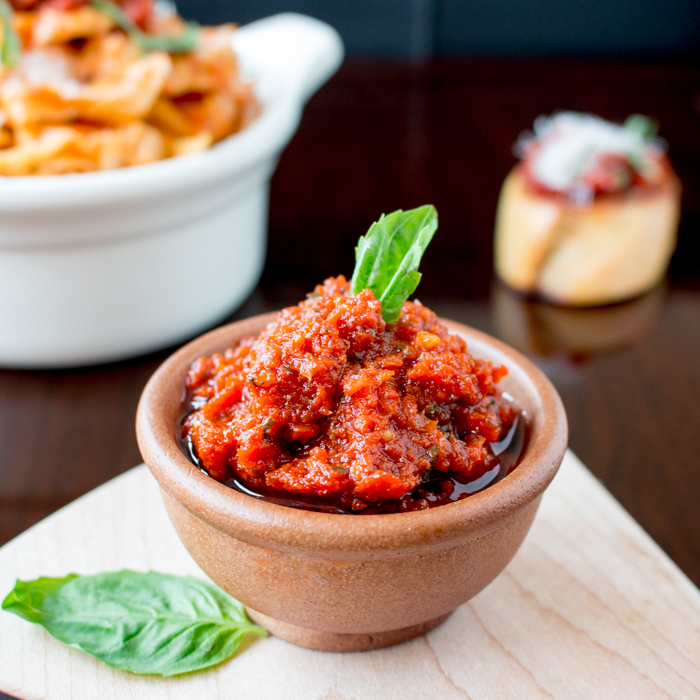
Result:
x=590 y=608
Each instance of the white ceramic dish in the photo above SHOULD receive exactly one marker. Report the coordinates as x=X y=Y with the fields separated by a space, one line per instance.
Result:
x=102 y=266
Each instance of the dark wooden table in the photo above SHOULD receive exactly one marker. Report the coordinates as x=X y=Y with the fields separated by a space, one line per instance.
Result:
x=382 y=137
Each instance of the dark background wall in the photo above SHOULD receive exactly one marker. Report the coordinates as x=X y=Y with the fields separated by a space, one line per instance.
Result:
x=420 y=29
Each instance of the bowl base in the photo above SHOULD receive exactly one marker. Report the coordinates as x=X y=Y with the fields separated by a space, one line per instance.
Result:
x=337 y=641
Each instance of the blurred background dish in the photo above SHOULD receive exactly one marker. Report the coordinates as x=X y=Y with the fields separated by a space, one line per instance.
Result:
x=589 y=215
x=91 y=85
x=106 y=265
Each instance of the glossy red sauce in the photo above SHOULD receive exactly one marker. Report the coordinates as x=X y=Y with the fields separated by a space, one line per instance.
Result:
x=330 y=408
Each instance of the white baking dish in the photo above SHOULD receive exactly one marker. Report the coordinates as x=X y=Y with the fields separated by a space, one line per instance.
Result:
x=102 y=266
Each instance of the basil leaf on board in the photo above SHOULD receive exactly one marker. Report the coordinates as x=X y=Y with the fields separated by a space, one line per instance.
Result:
x=388 y=256
x=11 y=45
x=141 y=622
x=184 y=43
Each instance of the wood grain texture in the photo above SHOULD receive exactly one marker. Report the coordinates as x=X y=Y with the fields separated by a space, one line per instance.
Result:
x=589 y=608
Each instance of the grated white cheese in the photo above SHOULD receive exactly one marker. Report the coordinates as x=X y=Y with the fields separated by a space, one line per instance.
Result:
x=569 y=145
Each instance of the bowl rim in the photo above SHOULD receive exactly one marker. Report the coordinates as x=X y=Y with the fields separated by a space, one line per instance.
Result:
x=332 y=535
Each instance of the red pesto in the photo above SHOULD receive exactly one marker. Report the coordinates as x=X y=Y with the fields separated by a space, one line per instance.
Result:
x=331 y=402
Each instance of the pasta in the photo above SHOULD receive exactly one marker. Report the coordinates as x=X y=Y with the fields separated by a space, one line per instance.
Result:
x=100 y=85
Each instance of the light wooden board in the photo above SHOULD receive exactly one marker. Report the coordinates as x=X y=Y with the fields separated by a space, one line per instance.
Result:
x=590 y=608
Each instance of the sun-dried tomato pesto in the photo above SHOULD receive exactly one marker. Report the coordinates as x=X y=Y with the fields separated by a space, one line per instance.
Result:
x=331 y=405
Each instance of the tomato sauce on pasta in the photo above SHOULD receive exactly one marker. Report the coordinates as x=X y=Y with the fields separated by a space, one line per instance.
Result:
x=91 y=91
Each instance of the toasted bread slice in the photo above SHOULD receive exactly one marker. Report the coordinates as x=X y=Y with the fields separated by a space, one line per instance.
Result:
x=612 y=249
x=526 y=225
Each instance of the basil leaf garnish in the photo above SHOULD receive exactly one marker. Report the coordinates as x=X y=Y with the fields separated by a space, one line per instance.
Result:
x=140 y=622
x=184 y=43
x=387 y=258
x=11 y=45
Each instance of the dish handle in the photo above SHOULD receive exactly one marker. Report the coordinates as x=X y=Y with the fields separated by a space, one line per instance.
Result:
x=304 y=50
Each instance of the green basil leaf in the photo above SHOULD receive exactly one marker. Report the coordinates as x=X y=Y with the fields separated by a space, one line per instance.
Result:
x=403 y=285
x=388 y=256
x=184 y=43
x=141 y=622
x=646 y=127
x=117 y=15
x=11 y=45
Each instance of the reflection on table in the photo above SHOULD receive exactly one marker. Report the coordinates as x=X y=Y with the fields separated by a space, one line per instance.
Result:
x=543 y=330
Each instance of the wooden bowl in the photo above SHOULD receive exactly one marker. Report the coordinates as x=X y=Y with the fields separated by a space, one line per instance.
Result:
x=349 y=582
